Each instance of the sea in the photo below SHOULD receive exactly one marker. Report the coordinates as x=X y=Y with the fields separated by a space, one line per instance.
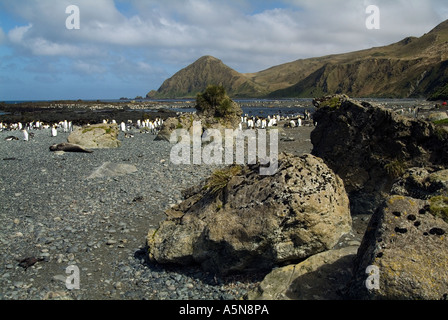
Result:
x=250 y=107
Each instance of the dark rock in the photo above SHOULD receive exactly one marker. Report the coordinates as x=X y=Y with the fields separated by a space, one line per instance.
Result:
x=370 y=147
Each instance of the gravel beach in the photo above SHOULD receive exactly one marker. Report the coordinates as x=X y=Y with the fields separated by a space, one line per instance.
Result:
x=52 y=211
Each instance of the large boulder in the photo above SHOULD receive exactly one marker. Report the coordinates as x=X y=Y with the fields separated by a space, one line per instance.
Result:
x=404 y=253
x=171 y=124
x=97 y=136
x=422 y=183
x=437 y=116
x=369 y=147
x=323 y=276
x=215 y=110
x=240 y=221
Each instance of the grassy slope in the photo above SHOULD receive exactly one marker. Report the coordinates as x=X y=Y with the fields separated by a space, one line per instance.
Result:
x=413 y=67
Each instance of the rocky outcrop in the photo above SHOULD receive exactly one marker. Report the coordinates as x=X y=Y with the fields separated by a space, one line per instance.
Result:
x=173 y=123
x=395 y=167
x=97 y=136
x=215 y=110
x=406 y=250
x=240 y=221
x=321 y=277
x=422 y=183
x=369 y=147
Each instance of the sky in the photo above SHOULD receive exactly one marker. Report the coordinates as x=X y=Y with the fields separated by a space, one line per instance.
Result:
x=121 y=48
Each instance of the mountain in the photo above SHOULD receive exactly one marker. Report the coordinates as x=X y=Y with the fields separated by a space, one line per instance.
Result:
x=412 y=67
x=195 y=78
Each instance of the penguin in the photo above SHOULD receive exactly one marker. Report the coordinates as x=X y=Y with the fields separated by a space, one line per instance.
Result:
x=25 y=135
x=10 y=138
x=54 y=131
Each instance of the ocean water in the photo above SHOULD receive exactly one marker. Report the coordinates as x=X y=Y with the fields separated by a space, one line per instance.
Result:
x=260 y=111
x=251 y=107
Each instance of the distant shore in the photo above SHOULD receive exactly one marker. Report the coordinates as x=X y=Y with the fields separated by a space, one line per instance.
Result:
x=82 y=112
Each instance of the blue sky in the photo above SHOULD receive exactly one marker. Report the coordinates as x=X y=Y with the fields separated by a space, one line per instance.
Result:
x=127 y=48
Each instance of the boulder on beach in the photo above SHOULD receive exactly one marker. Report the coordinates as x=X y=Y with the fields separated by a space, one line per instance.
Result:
x=240 y=221
x=369 y=147
x=323 y=276
x=99 y=136
x=437 y=116
x=404 y=253
x=215 y=110
x=109 y=169
x=422 y=183
x=171 y=124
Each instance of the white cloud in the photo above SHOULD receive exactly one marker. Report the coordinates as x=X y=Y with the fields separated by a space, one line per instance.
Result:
x=306 y=29
x=17 y=34
x=247 y=35
x=89 y=68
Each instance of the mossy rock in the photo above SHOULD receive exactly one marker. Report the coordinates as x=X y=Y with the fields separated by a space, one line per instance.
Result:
x=332 y=101
x=98 y=136
x=439 y=207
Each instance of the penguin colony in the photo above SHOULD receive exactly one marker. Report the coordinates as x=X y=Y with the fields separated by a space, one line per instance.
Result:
x=146 y=126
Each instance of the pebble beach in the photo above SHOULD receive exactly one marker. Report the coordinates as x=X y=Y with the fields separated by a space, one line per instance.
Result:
x=53 y=209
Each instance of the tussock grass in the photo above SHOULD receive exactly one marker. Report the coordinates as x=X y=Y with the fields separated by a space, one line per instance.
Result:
x=220 y=178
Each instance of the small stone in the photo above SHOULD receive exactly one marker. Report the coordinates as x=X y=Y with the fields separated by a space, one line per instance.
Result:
x=59 y=277
x=110 y=241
